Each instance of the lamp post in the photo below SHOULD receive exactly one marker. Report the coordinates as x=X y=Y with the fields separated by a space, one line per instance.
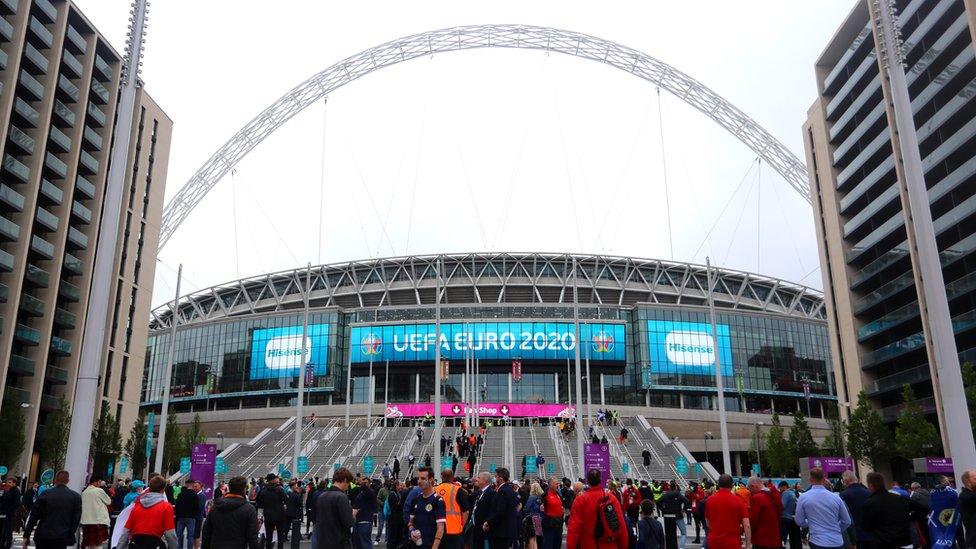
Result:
x=221 y=447
x=708 y=436
x=759 y=447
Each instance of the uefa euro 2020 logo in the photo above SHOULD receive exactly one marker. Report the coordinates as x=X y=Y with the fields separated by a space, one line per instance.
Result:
x=602 y=342
x=371 y=345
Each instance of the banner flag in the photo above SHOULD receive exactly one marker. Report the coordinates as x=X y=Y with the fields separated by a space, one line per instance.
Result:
x=944 y=518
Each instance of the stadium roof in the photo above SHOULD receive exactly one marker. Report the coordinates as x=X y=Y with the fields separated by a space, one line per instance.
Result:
x=494 y=278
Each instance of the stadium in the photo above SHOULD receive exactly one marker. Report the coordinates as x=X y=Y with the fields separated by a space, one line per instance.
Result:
x=648 y=353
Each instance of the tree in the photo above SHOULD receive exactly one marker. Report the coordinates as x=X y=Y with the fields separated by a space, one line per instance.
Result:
x=193 y=435
x=106 y=444
x=801 y=439
x=868 y=438
x=778 y=454
x=969 y=383
x=173 y=446
x=11 y=430
x=914 y=435
x=135 y=446
x=833 y=444
x=54 y=449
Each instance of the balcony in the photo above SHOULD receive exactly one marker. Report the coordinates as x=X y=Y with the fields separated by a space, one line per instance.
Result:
x=60 y=139
x=104 y=68
x=60 y=346
x=21 y=366
x=49 y=12
x=18 y=395
x=38 y=61
x=73 y=265
x=88 y=161
x=69 y=89
x=77 y=40
x=6 y=30
x=31 y=305
x=28 y=113
x=91 y=136
x=100 y=92
x=27 y=335
x=3 y=57
x=8 y=7
x=40 y=33
x=42 y=247
x=71 y=62
x=85 y=187
x=4 y=292
x=69 y=292
x=47 y=219
x=56 y=165
x=64 y=113
x=21 y=140
x=51 y=192
x=6 y=262
x=96 y=114
x=77 y=238
x=11 y=198
x=80 y=213
x=16 y=168
x=31 y=84
x=8 y=229
x=56 y=376
x=64 y=318
x=37 y=276
x=50 y=403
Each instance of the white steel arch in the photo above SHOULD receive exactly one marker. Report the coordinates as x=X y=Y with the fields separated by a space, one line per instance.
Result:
x=547 y=39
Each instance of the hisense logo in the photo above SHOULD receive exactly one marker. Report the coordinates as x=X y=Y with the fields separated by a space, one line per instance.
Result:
x=690 y=348
x=286 y=352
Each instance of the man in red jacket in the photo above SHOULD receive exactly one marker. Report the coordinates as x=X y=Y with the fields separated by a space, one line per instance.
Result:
x=765 y=509
x=589 y=528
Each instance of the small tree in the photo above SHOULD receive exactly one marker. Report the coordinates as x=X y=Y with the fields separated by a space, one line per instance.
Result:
x=833 y=444
x=12 y=437
x=54 y=449
x=868 y=438
x=173 y=446
x=914 y=435
x=778 y=453
x=106 y=440
x=135 y=446
x=801 y=439
x=193 y=435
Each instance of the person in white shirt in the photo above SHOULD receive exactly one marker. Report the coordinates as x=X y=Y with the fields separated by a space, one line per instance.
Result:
x=95 y=503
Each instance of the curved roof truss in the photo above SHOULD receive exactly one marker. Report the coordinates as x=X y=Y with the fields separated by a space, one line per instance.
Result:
x=429 y=43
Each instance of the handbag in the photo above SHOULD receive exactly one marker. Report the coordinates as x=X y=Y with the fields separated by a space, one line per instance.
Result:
x=537 y=524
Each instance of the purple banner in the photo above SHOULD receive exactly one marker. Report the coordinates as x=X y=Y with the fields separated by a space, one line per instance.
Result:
x=597 y=456
x=454 y=409
x=832 y=464
x=203 y=460
x=939 y=465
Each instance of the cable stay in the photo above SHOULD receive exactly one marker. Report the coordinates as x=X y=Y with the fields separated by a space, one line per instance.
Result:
x=474 y=200
x=569 y=176
x=738 y=222
x=664 y=169
x=372 y=203
x=724 y=208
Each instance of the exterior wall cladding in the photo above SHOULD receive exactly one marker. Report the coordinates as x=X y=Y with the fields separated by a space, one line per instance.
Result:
x=871 y=287
x=59 y=81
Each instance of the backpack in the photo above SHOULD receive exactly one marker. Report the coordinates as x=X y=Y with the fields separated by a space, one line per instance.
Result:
x=608 y=523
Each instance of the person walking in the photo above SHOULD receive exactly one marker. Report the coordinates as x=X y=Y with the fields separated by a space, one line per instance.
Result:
x=823 y=513
x=232 y=522
x=310 y=507
x=501 y=525
x=394 y=519
x=187 y=509
x=764 y=515
x=333 y=514
x=788 y=529
x=9 y=504
x=480 y=508
x=294 y=509
x=855 y=495
x=270 y=504
x=387 y=471
x=396 y=468
x=726 y=518
x=425 y=526
x=552 y=516
x=382 y=495
x=95 y=519
x=56 y=516
x=597 y=518
x=364 y=511
x=889 y=515
x=151 y=522
x=650 y=533
x=456 y=509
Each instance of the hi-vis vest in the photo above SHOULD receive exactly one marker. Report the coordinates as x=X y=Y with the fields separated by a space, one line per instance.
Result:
x=455 y=522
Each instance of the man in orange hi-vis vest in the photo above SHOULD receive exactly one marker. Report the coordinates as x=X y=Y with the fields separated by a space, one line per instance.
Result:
x=456 y=506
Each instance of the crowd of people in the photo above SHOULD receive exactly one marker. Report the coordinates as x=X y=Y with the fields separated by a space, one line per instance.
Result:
x=486 y=510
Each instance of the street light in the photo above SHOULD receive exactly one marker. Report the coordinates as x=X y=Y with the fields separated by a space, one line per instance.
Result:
x=708 y=436
x=221 y=447
x=758 y=447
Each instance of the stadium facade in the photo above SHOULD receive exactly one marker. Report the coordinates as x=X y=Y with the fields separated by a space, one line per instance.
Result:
x=645 y=325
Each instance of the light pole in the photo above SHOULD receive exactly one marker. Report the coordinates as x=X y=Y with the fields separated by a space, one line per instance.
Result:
x=759 y=447
x=708 y=436
x=221 y=447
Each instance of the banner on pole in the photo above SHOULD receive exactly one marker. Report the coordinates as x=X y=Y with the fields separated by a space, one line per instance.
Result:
x=517 y=370
x=597 y=456
x=203 y=458
x=806 y=390
x=151 y=425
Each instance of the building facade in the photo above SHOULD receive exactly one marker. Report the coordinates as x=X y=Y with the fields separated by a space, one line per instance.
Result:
x=872 y=288
x=59 y=81
x=645 y=335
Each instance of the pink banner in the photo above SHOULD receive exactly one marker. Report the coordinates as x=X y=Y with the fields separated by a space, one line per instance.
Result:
x=501 y=409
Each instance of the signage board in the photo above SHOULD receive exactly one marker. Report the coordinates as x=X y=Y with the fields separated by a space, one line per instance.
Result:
x=503 y=409
x=368 y=465
x=3 y=469
x=831 y=464
x=687 y=348
x=302 y=465
x=277 y=352
x=681 y=465
x=597 y=456
x=124 y=465
x=203 y=461
x=185 y=465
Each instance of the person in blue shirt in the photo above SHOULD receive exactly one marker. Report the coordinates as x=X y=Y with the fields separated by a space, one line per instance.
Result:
x=428 y=516
x=364 y=509
x=788 y=528
x=824 y=513
x=897 y=489
x=855 y=495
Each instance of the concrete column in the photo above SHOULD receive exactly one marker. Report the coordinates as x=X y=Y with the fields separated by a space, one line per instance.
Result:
x=603 y=394
x=555 y=383
x=509 y=387
x=416 y=397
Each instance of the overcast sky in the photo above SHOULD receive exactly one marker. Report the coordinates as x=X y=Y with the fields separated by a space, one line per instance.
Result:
x=486 y=149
